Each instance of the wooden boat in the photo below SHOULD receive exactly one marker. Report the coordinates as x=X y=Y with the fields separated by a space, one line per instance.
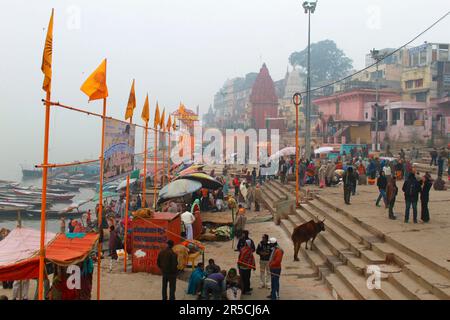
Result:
x=53 y=196
x=12 y=206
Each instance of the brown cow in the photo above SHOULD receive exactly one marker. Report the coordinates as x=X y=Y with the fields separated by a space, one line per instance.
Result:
x=304 y=233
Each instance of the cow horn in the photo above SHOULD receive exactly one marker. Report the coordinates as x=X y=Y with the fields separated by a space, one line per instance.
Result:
x=324 y=219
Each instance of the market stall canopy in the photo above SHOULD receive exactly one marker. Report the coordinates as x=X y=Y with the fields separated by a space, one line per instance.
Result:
x=71 y=248
x=179 y=188
x=19 y=251
x=196 y=168
x=207 y=181
x=323 y=150
x=19 y=258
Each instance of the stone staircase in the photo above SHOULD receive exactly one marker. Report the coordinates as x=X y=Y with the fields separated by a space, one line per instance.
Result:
x=342 y=254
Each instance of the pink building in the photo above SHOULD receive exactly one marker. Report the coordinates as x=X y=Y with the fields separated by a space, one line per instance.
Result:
x=351 y=106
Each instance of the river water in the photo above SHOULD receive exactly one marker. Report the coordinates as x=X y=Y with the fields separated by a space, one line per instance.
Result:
x=52 y=224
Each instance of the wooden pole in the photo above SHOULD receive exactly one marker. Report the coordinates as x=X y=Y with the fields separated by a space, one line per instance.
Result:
x=100 y=207
x=126 y=217
x=126 y=224
x=155 y=168
x=144 y=199
x=44 y=200
x=168 y=159
x=297 y=198
x=163 y=155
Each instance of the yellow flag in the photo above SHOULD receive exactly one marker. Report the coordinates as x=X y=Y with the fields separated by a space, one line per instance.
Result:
x=169 y=123
x=161 y=123
x=47 y=57
x=157 y=117
x=145 y=111
x=95 y=86
x=131 y=103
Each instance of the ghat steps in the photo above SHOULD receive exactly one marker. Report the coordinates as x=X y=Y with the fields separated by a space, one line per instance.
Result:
x=341 y=255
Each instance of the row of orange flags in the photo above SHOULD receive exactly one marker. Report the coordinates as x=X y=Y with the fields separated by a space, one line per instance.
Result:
x=95 y=86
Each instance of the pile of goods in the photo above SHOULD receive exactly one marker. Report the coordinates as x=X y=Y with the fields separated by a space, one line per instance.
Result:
x=4 y=233
x=143 y=213
x=222 y=233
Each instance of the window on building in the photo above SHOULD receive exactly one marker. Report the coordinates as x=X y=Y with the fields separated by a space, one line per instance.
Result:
x=367 y=115
x=410 y=118
x=421 y=97
x=423 y=58
x=409 y=84
x=443 y=52
x=395 y=117
x=337 y=107
x=418 y=83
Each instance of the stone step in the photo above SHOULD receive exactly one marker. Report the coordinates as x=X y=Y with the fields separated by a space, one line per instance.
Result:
x=279 y=188
x=427 y=277
x=321 y=264
x=391 y=242
x=349 y=240
x=338 y=288
x=388 y=291
x=410 y=287
x=357 y=283
x=342 y=221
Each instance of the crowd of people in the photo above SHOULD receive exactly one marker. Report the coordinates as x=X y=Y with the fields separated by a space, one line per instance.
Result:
x=213 y=282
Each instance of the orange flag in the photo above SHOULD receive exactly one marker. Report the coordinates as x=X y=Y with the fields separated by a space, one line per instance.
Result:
x=47 y=56
x=169 y=123
x=95 y=86
x=174 y=125
x=131 y=103
x=145 y=111
x=161 y=124
x=157 y=117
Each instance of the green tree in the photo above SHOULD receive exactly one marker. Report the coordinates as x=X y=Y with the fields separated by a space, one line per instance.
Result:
x=328 y=62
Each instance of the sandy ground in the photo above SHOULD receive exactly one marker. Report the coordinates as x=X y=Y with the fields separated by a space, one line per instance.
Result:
x=297 y=281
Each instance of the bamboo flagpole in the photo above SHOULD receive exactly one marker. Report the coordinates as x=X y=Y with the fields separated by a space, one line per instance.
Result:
x=146 y=117
x=47 y=70
x=100 y=207
x=95 y=88
x=131 y=105
x=156 y=123
x=155 y=168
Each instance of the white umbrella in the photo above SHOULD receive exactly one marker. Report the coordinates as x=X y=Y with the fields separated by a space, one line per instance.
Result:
x=323 y=150
x=289 y=151
x=123 y=184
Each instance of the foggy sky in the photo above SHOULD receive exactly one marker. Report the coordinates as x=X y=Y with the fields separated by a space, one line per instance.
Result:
x=177 y=50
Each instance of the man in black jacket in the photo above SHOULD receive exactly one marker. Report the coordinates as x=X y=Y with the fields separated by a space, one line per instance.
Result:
x=411 y=189
x=349 y=182
x=382 y=185
x=168 y=263
x=264 y=250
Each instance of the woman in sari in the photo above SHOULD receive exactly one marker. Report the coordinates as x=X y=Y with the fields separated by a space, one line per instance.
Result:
x=196 y=279
x=195 y=206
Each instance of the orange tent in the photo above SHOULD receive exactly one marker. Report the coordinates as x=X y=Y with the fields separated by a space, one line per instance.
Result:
x=19 y=252
x=65 y=251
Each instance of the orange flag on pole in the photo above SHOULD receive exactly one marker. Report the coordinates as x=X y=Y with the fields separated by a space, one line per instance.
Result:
x=131 y=103
x=95 y=86
x=47 y=56
x=157 y=117
x=169 y=123
x=145 y=111
x=161 y=124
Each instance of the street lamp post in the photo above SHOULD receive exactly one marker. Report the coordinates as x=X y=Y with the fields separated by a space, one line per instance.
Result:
x=310 y=7
x=297 y=99
x=377 y=56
